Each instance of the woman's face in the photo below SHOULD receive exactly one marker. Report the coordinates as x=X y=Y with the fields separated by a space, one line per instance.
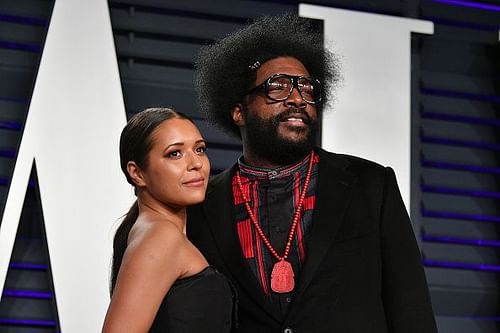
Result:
x=178 y=167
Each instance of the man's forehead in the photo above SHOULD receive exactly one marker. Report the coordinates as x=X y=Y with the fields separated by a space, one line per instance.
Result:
x=281 y=65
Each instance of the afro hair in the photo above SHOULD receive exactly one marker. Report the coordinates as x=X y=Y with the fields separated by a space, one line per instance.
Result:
x=226 y=70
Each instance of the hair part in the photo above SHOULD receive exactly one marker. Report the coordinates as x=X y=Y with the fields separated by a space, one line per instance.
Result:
x=135 y=144
x=226 y=70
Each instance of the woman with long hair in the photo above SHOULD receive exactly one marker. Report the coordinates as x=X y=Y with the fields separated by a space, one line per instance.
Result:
x=160 y=281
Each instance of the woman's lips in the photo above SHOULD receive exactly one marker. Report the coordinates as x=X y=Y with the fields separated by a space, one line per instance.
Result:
x=195 y=182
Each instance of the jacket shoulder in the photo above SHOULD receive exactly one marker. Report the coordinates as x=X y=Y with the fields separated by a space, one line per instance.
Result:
x=352 y=164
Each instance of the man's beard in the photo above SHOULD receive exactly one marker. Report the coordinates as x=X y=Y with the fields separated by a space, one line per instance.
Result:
x=264 y=140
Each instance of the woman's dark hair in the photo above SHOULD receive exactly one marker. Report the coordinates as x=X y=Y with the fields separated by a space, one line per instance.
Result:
x=226 y=70
x=135 y=145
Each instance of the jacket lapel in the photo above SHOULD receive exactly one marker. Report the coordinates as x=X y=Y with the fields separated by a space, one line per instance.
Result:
x=333 y=195
x=218 y=209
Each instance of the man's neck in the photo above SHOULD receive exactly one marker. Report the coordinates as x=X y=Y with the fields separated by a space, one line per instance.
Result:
x=254 y=160
x=259 y=162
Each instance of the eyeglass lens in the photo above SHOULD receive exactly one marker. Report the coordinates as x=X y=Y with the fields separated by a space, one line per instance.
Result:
x=280 y=87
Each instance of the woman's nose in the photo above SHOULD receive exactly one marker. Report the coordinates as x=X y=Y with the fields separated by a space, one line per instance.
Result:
x=195 y=162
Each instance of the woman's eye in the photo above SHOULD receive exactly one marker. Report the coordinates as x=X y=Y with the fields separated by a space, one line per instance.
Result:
x=174 y=153
x=201 y=150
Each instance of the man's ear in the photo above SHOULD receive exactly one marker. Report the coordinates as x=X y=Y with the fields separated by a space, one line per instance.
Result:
x=135 y=173
x=237 y=115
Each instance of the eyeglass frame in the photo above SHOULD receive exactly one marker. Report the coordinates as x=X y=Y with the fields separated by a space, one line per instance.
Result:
x=295 y=84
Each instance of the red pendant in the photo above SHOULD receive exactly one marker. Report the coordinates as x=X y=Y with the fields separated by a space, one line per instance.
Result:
x=282 y=280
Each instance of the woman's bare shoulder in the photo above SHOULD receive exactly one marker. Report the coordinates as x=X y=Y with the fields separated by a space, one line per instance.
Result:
x=158 y=239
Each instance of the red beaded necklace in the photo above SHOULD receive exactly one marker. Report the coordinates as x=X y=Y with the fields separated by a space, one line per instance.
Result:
x=282 y=275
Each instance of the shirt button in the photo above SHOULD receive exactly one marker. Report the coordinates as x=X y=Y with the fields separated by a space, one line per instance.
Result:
x=288 y=330
x=288 y=299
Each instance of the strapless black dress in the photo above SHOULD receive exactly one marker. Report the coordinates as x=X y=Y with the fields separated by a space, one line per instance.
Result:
x=203 y=302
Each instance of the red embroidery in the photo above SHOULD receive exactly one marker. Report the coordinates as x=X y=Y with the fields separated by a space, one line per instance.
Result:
x=237 y=195
x=260 y=257
x=309 y=202
x=246 y=239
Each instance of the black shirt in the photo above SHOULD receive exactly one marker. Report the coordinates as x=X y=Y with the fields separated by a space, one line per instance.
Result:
x=273 y=195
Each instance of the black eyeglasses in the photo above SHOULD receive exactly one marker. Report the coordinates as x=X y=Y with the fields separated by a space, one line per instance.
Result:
x=280 y=86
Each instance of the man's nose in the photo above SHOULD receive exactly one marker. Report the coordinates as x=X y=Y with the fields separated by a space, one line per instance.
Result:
x=295 y=99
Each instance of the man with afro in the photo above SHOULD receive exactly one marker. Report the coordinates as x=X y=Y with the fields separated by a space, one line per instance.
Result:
x=313 y=241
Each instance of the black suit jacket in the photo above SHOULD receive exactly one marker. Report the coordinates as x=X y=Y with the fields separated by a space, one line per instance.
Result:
x=362 y=271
